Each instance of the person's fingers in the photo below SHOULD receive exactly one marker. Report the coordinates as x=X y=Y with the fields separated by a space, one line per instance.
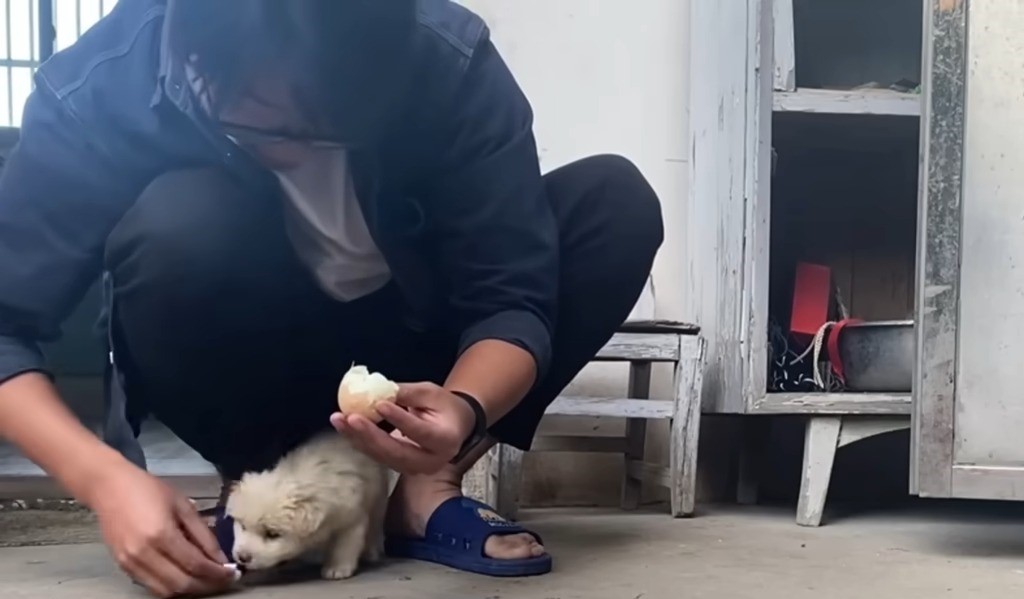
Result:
x=401 y=456
x=141 y=562
x=204 y=574
x=198 y=533
x=149 y=580
x=398 y=436
x=417 y=395
x=162 y=576
x=424 y=433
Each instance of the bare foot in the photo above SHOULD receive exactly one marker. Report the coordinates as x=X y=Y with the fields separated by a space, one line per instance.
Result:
x=415 y=499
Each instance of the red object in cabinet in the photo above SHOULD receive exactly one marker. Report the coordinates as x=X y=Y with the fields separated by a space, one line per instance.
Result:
x=812 y=293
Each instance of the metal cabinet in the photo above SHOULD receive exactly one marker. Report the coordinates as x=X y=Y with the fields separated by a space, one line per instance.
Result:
x=968 y=419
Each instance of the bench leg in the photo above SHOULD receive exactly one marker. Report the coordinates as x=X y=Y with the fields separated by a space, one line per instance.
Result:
x=506 y=480
x=496 y=480
x=820 y=444
x=755 y=435
x=685 y=430
x=636 y=435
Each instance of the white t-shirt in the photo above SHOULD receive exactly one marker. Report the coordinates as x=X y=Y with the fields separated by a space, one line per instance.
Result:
x=325 y=223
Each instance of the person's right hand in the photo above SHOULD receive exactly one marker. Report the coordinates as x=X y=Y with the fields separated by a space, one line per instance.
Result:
x=158 y=538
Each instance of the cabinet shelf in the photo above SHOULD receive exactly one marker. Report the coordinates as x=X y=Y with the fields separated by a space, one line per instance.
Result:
x=895 y=404
x=861 y=101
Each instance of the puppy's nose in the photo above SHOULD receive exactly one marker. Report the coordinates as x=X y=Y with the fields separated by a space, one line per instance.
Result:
x=244 y=558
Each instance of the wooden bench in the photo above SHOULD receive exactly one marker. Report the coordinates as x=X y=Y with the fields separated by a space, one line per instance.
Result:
x=497 y=478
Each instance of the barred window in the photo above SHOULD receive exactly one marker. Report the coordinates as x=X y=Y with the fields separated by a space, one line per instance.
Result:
x=30 y=31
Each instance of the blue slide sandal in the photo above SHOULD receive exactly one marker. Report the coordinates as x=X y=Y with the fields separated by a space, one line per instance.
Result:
x=222 y=527
x=456 y=533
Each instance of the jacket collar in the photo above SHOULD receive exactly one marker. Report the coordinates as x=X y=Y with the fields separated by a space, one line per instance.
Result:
x=170 y=81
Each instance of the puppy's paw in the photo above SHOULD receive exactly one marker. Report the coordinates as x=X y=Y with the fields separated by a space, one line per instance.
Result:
x=372 y=554
x=338 y=571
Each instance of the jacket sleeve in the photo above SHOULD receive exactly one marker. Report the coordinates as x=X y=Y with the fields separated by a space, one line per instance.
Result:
x=59 y=199
x=497 y=234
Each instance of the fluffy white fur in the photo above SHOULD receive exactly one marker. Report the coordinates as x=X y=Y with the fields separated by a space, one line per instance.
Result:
x=323 y=496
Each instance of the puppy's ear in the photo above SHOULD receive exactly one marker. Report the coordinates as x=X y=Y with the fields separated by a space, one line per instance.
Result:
x=228 y=496
x=304 y=514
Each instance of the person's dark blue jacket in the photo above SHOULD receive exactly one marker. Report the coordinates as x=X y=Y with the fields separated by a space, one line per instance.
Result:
x=453 y=198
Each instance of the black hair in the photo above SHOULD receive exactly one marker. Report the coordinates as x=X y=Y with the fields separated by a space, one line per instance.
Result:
x=348 y=61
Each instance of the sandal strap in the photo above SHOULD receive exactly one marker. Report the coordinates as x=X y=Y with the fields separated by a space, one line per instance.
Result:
x=466 y=523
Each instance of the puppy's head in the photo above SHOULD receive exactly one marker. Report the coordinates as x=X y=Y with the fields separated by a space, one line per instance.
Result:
x=275 y=519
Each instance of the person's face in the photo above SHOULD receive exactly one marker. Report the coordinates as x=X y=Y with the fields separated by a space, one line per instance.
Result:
x=268 y=124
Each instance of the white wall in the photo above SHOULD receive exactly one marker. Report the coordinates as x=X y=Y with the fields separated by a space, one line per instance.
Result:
x=604 y=76
x=607 y=76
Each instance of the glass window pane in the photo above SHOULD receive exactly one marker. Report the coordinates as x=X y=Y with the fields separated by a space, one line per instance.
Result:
x=21 y=87
x=6 y=117
x=19 y=44
x=21 y=30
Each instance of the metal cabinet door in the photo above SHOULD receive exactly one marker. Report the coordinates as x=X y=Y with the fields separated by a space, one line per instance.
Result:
x=969 y=391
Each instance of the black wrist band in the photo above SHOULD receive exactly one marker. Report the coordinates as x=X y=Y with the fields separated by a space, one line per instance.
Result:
x=479 y=426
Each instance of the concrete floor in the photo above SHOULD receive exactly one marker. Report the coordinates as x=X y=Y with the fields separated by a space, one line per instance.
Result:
x=935 y=550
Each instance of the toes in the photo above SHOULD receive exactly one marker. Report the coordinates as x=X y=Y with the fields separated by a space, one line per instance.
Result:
x=518 y=546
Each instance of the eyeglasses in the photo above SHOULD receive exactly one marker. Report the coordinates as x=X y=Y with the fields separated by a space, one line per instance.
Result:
x=255 y=136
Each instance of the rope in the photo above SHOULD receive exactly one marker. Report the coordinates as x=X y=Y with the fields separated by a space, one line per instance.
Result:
x=782 y=357
x=815 y=348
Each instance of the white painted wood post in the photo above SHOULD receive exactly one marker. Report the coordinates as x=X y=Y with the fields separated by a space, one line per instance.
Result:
x=506 y=480
x=636 y=435
x=496 y=479
x=784 y=73
x=820 y=443
x=684 y=435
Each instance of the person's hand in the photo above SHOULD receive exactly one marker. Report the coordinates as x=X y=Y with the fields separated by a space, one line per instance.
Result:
x=430 y=423
x=158 y=538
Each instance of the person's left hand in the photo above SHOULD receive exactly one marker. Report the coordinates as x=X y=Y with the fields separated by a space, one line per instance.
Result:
x=430 y=423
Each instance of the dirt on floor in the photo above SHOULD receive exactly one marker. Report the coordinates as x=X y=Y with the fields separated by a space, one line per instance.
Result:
x=34 y=528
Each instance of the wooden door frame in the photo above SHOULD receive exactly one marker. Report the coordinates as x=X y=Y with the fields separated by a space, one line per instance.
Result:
x=938 y=255
x=728 y=208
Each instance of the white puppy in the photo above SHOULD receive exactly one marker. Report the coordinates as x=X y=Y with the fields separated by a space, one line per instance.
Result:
x=323 y=496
